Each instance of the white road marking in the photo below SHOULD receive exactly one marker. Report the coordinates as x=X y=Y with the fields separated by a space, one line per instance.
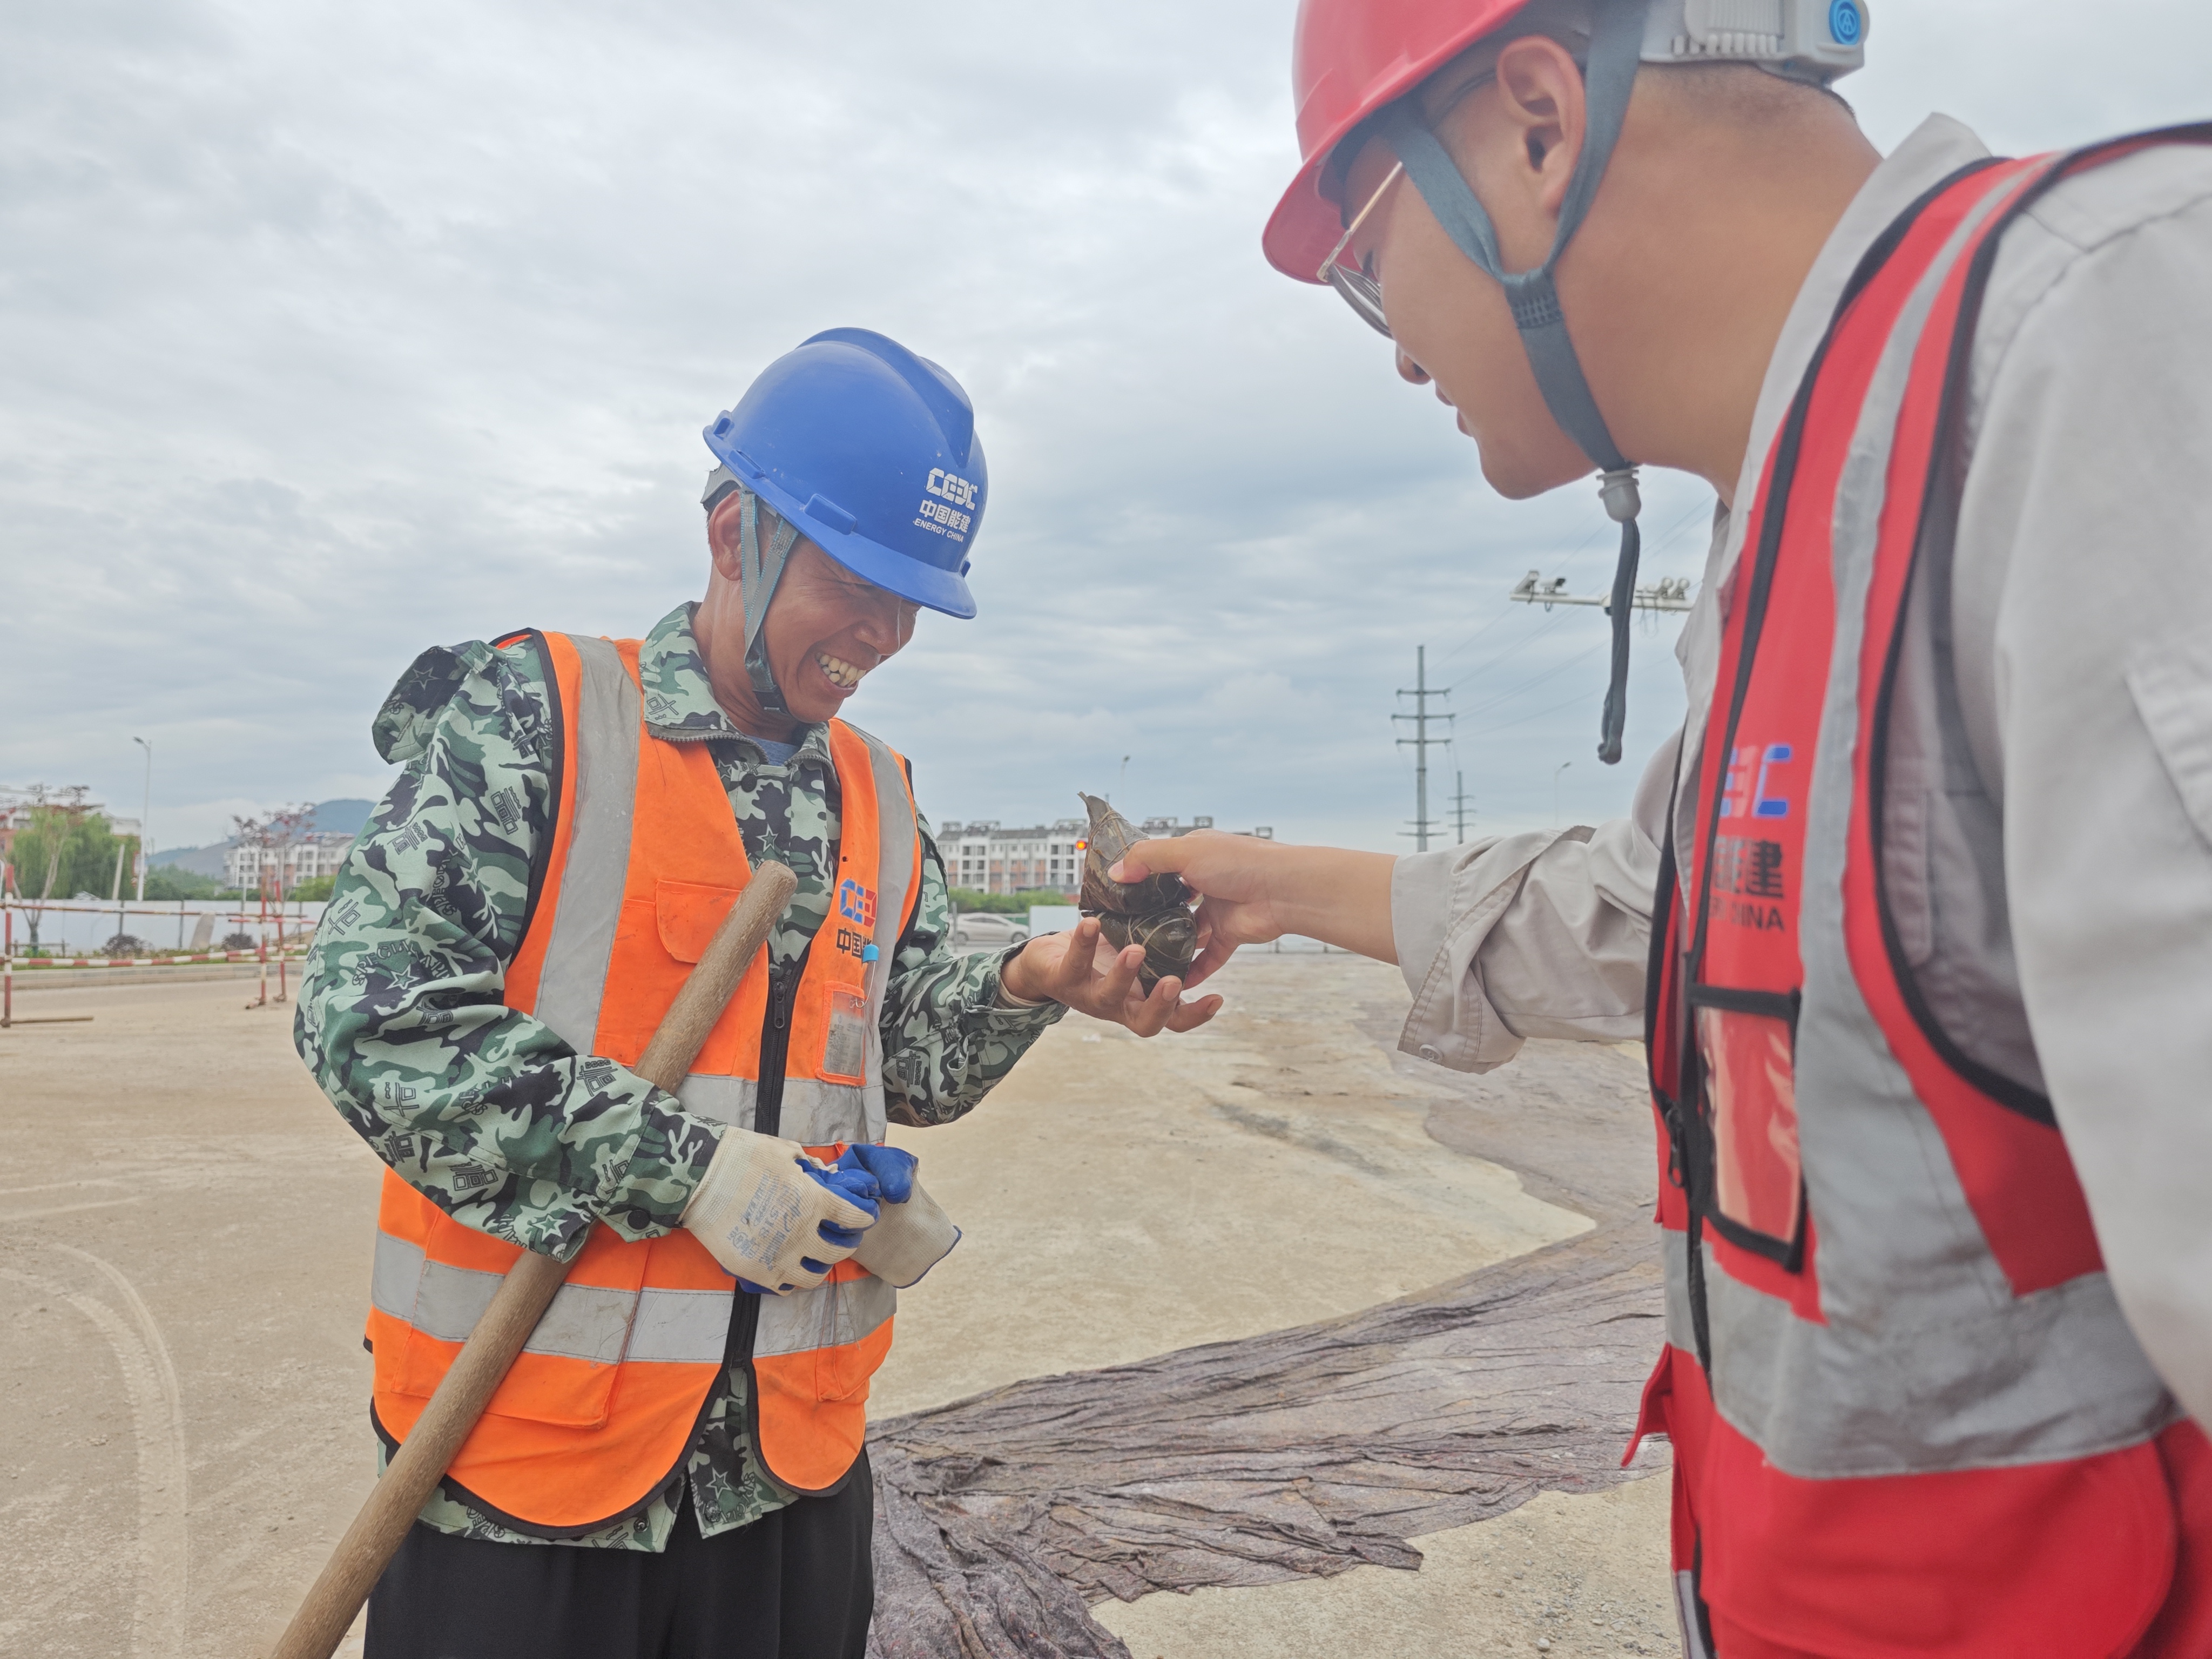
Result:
x=64 y=1209
x=157 y=1410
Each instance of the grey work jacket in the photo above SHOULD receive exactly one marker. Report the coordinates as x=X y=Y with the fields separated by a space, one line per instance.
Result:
x=2082 y=600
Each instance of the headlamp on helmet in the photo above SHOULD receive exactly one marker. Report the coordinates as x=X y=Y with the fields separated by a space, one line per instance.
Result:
x=1813 y=40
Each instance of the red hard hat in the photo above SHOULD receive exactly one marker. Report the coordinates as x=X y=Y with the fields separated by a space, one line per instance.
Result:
x=1349 y=57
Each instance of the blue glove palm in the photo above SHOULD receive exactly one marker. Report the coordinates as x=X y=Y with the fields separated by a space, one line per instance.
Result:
x=892 y=1169
x=854 y=1182
x=858 y=1187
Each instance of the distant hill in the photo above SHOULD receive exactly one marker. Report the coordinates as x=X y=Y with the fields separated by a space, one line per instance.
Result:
x=200 y=860
x=342 y=817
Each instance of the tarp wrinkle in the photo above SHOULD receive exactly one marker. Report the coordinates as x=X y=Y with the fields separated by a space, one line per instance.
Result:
x=1003 y=1518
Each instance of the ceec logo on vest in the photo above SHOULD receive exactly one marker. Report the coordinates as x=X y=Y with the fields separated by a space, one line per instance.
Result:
x=1750 y=775
x=857 y=905
x=856 y=902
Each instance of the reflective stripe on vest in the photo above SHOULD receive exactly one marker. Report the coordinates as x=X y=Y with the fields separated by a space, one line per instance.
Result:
x=601 y=777
x=649 y=1325
x=646 y=859
x=1924 y=1426
x=603 y=1325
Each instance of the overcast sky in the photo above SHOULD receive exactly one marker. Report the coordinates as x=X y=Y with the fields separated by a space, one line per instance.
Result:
x=330 y=332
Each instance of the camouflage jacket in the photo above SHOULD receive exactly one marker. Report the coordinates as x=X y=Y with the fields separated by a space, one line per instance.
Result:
x=484 y=1110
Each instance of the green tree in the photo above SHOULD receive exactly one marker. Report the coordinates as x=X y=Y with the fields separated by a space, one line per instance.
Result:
x=1007 y=905
x=166 y=881
x=66 y=851
x=313 y=890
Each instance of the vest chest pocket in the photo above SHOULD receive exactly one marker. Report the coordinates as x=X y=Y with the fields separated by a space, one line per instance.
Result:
x=1752 y=1186
x=845 y=1048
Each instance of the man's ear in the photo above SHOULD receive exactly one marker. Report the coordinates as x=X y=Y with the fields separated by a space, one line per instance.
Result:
x=726 y=535
x=1541 y=98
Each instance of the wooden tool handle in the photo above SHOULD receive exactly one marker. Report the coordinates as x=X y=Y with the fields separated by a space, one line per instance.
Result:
x=520 y=1301
x=683 y=1031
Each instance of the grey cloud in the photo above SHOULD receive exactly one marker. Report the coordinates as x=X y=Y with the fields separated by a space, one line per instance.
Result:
x=332 y=332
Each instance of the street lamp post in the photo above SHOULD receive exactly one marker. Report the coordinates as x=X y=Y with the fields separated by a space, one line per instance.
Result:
x=145 y=813
x=1556 y=771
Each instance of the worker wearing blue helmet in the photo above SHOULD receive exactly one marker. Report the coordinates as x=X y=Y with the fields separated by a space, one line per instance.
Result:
x=576 y=815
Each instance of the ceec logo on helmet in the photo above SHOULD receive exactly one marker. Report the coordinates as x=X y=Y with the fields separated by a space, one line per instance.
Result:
x=956 y=490
x=943 y=517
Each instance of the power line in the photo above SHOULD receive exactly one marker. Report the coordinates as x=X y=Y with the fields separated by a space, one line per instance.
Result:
x=1703 y=509
x=1420 y=742
x=1652 y=545
x=1581 y=700
x=1477 y=634
x=1507 y=655
x=1668 y=593
x=1533 y=681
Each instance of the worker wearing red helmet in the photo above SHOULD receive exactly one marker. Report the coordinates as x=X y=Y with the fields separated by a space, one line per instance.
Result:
x=1915 y=915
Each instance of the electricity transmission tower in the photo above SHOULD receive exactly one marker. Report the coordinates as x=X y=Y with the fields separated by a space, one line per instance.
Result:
x=1459 y=804
x=1420 y=742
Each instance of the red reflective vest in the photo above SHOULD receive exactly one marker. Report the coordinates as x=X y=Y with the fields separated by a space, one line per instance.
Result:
x=1908 y=1417
x=645 y=860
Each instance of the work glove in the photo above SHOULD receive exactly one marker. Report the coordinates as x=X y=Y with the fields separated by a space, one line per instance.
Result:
x=775 y=1218
x=914 y=1235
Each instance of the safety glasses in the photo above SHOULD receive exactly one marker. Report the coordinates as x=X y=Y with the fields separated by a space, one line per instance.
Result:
x=1355 y=282
x=1360 y=291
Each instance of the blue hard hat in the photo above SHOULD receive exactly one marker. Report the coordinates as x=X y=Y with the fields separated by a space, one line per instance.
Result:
x=870 y=452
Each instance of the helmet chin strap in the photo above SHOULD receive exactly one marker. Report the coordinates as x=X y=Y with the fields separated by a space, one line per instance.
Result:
x=758 y=573
x=1616 y=47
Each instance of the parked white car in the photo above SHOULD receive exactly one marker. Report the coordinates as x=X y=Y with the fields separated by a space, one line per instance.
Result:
x=983 y=930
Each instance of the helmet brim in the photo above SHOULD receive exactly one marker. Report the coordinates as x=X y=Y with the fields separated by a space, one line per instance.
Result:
x=943 y=590
x=927 y=586
x=1305 y=225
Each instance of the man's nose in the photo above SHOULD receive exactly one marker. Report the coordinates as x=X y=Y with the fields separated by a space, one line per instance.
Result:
x=1411 y=371
x=884 y=622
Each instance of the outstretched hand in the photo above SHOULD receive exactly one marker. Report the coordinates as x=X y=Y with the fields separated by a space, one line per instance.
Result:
x=1253 y=890
x=1230 y=873
x=1079 y=969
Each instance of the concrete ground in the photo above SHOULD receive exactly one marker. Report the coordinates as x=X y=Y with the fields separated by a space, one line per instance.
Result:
x=184 y=1228
x=185 y=1234
x=1561 y=1576
x=1120 y=1198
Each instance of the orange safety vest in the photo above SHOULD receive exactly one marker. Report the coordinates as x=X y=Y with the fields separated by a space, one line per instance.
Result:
x=1908 y=1416
x=645 y=860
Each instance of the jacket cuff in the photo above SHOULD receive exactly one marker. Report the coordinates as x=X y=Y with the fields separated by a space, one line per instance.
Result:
x=1443 y=907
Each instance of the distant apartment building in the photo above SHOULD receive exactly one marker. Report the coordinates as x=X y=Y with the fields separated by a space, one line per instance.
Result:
x=984 y=856
x=316 y=853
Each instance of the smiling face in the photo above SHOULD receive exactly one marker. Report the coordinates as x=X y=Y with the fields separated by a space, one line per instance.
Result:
x=826 y=628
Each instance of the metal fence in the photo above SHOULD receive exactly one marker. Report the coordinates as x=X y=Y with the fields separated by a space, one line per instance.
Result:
x=81 y=928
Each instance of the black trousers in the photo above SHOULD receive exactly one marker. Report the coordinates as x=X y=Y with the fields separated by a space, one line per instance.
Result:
x=798 y=1583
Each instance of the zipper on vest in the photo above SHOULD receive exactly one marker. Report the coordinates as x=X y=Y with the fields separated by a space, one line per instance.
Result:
x=768 y=1119
x=775 y=1043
